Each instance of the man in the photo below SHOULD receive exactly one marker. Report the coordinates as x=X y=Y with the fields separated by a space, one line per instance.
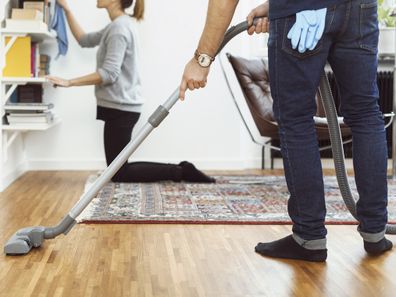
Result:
x=303 y=36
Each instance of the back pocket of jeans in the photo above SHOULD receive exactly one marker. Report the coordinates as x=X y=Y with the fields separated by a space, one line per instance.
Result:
x=287 y=46
x=368 y=23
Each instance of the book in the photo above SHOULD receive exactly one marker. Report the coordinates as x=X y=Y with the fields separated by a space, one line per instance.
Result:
x=28 y=106
x=32 y=60
x=39 y=5
x=45 y=58
x=26 y=114
x=43 y=72
x=18 y=58
x=14 y=97
x=47 y=118
x=43 y=6
x=37 y=60
x=30 y=93
x=44 y=65
x=27 y=14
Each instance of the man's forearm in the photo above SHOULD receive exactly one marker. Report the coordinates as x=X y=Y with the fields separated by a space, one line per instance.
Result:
x=220 y=13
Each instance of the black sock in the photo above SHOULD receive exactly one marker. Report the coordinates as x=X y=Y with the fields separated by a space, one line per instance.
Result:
x=288 y=248
x=192 y=174
x=377 y=248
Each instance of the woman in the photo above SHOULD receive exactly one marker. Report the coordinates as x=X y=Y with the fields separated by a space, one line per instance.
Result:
x=118 y=91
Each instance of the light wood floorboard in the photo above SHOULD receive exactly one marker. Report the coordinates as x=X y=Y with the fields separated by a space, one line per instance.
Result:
x=170 y=260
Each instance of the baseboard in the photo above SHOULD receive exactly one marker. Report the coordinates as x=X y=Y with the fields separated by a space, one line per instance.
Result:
x=100 y=164
x=235 y=164
x=82 y=164
x=13 y=175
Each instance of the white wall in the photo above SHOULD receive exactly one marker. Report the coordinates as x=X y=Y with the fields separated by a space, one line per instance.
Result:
x=205 y=129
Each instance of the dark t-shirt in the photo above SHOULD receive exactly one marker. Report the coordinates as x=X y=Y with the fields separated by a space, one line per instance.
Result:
x=284 y=8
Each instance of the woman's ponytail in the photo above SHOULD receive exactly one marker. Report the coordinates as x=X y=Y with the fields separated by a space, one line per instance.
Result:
x=138 y=11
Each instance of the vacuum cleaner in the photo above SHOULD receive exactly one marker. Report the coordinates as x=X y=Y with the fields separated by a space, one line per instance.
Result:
x=33 y=237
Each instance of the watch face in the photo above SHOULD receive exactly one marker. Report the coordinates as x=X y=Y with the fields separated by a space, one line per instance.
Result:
x=204 y=60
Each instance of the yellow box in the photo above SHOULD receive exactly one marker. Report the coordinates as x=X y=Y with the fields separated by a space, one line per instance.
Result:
x=18 y=58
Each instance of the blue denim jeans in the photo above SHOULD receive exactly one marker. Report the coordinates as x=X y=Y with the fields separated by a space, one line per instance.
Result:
x=350 y=45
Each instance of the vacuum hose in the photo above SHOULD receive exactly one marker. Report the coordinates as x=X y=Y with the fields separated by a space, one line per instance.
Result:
x=334 y=131
x=337 y=148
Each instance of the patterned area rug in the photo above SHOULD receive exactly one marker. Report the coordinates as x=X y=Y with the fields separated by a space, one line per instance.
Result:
x=232 y=200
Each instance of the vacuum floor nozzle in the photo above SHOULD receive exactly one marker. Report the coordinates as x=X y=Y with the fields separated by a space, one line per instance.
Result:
x=24 y=240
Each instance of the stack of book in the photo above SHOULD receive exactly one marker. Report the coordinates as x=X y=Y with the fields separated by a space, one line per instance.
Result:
x=31 y=15
x=32 y=114
x=44 y=65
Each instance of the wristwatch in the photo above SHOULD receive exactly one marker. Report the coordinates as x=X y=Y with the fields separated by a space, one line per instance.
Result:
x=204 y=60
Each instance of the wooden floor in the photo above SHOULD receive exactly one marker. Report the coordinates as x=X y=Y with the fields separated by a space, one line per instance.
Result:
x=170 y=260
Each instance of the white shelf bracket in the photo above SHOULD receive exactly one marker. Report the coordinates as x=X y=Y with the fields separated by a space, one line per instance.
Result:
x=9 y=92
x=10 y=43
x=8 y=140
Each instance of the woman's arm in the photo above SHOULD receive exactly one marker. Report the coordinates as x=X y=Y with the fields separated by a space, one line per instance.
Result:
x=108 y=71
x=86 y=80
x=75 y=27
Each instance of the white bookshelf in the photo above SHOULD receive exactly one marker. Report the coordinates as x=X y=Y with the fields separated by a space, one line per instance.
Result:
x=36 y=35
x=10 y=133
x=23 y=80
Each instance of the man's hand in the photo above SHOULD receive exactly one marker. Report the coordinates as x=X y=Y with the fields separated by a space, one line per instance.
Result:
x=262 y=25
x=59 y=82
x=194 y=77
x=220 y=13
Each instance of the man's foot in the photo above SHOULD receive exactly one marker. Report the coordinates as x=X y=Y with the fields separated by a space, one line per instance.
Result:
x=288 y=248
x=192 y=174
x=377 y=248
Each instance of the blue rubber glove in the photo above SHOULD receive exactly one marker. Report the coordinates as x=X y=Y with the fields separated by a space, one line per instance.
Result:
x=308 y=29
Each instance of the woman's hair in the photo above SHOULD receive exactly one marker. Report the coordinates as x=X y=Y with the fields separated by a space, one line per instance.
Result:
x=138 y=11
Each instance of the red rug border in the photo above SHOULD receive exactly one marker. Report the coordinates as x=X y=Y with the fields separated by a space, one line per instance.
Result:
x=174 y=222
x=153 y=222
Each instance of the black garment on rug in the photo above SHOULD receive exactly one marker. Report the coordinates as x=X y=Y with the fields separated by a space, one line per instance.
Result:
x=117 y=134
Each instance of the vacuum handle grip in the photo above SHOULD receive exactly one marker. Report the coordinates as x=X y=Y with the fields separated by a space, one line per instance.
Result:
x=234 y=31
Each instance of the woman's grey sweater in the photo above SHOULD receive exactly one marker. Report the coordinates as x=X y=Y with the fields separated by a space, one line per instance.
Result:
x=117 y=65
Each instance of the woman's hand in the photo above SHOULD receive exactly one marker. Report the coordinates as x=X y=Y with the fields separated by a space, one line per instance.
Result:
x=262 y=25
x=63 y=4
x=59 y=82
x=194 y=77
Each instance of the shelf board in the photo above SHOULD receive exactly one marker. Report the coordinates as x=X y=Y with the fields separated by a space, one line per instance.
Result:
x=37 y=35
x=23 y=80
x=31 y=127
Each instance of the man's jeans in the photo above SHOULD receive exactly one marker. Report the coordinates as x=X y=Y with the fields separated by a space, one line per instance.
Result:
x=350 y=45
